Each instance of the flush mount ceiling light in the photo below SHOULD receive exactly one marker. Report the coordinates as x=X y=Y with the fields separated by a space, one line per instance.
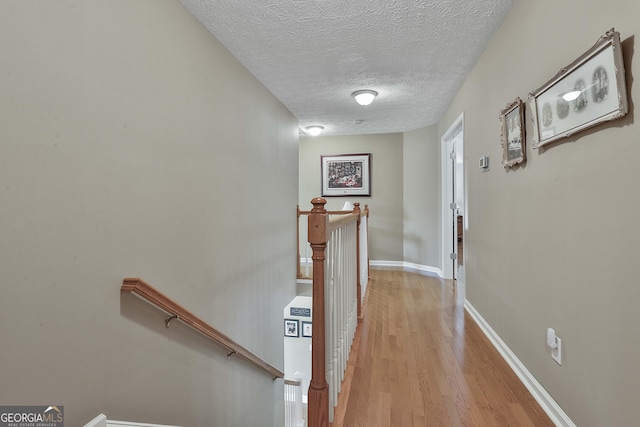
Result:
x=365 y=96
x=314 y=130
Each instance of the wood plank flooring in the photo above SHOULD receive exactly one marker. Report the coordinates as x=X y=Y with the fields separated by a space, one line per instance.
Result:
x=420 y=360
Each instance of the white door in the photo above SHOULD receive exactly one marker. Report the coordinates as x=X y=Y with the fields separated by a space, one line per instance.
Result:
x=458 y=211
x=453 y=201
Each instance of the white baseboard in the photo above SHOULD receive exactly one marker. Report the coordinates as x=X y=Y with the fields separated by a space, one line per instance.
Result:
x=553 y=410
x=544 y=399
x=409 y=266
x=102 y=421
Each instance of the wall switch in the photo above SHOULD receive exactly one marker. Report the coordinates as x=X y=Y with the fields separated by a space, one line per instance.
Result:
x=556 y=353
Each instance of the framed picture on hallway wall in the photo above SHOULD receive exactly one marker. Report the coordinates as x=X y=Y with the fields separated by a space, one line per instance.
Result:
x=587 y=92
x=512 y=135
x=345 y=175
x=306 y=329
x=291 y=328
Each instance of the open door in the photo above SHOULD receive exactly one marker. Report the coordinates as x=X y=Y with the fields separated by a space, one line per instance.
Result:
x=458 y=197
x=453 y=202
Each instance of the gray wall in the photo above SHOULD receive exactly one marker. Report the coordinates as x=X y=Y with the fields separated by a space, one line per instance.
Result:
x=553 y=243
x=135 y=145
x=422 y=188
x=385 y=226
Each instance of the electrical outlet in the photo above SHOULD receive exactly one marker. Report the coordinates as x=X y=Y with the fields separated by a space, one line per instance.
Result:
x=556 y=353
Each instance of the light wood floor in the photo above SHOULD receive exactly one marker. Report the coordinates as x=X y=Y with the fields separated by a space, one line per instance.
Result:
x=420 y=360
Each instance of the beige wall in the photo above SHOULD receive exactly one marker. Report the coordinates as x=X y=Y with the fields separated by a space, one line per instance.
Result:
x=125 y=147
x=405 y=190
x=385 y=226
x=422 y=212
x=134 y=144
x=553 y=243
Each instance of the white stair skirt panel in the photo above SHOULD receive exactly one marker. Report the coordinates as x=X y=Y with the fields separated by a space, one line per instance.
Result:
x=102 y=421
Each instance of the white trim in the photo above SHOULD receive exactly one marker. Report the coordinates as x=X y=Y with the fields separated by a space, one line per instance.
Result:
x=387 y=264
x=113 y=423
x=446 y=192
x=553 y=410
x=409 y=266
x=101 y=421
x=423 y=269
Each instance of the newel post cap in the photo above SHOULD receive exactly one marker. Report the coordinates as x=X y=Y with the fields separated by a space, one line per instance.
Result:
x=318 y=204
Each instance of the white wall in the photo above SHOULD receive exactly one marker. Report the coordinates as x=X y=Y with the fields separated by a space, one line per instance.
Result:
x=126 y=151
x=297 y=350
x=552 y=243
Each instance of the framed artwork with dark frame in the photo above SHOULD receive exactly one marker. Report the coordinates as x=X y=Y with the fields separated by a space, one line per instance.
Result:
x=291 y=328
x=306 y=329
x=587 y=92
x=512 y=136
x=346 y=175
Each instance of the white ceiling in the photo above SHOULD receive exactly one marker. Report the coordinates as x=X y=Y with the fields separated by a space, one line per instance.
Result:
x=312 y=54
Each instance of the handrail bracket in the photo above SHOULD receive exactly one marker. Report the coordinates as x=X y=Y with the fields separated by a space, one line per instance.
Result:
x=169 y=319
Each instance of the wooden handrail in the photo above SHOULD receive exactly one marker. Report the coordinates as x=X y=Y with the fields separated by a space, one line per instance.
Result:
x=336 y=222
x=155 y=297
x=336 y=212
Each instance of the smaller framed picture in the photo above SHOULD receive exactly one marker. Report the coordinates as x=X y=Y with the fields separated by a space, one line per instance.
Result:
x=291 y=328
x=306 y=329
x=512 y=134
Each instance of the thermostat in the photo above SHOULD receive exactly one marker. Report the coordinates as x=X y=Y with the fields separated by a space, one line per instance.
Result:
x=483 y=163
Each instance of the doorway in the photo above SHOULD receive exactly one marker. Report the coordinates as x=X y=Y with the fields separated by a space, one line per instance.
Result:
x=454 y=213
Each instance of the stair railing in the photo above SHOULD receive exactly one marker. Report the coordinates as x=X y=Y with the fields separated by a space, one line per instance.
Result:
x=303 y=260
x=176 y=312
x=336 y=255
x=293 y=415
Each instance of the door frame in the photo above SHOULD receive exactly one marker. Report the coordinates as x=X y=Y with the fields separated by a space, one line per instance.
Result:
x=448 y=219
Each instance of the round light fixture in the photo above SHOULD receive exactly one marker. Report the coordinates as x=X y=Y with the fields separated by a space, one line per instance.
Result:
x=364 y=96
x=314 y=130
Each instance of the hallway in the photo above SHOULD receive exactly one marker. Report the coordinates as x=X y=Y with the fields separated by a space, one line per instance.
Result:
x=422 y=361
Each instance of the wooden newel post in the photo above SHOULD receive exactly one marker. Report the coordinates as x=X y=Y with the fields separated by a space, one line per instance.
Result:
x=318 y=398
x=356 y=209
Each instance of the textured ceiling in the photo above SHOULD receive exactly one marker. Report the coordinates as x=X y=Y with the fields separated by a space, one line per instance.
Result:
x=312 y=54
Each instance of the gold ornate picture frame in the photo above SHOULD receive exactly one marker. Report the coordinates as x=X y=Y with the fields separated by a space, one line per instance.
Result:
x=512 y=135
